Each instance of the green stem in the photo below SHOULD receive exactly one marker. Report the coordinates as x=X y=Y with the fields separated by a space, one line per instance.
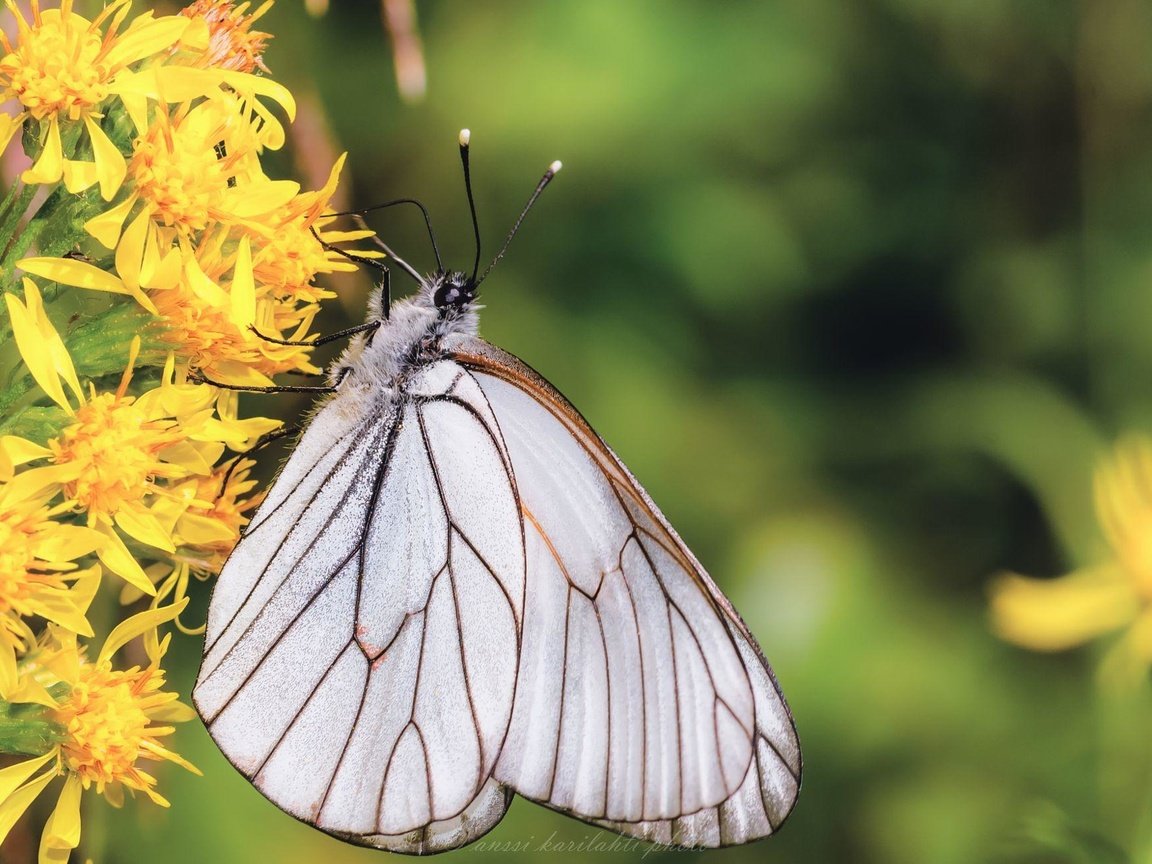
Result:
x=11 y=220
x=36 y=226
x=10 y=198
x=17 y=242
x=11 y=397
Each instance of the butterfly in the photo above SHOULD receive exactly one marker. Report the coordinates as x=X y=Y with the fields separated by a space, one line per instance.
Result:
x=455 y=592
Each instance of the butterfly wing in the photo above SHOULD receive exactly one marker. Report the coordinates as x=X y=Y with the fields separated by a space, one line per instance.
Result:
x=643 y=703
x=362 y=641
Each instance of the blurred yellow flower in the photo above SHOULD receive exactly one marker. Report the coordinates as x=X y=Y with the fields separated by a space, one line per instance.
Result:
x=1114 y=595
x=109 y=723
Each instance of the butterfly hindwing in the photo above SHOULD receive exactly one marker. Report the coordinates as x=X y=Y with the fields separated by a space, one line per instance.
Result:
x=643 y=703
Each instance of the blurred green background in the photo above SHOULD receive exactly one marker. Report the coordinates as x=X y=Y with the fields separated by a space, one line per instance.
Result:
x=860 y=291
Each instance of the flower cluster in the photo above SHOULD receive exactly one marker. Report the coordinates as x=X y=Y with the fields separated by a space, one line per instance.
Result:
x=121 y=472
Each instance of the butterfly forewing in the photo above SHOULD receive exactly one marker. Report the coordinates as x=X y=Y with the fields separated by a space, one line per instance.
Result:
x=360 y=667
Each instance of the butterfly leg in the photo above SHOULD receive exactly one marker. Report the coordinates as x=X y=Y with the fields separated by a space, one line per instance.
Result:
x=323 y=340
x=259 y=444
x=385 y=284
x=198 y=377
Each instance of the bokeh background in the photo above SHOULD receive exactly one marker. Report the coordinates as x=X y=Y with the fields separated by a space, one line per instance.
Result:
x=860 y=291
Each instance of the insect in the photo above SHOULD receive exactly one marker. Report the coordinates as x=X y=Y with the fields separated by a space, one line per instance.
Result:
x=455 y=591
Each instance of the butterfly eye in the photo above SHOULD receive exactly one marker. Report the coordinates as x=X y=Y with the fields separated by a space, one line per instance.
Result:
x=451 y=295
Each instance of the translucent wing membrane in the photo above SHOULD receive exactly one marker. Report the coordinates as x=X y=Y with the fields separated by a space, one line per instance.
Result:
x=459 y=591
x=642 y=702
x=362 y=644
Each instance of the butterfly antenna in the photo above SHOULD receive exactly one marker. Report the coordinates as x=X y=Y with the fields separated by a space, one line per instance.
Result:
x=387 y=204
x=552 y=171
x=465 y=137
x=400 y=262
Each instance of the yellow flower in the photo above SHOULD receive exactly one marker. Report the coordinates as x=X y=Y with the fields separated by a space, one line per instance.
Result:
x=229 y=41
x=289 y=260
x=113 y=461
x=1114 y=595
x=63 y=68
x=109 y=724
x=218 y=508
x=38 y=574
x=209 y=313
x=41 y=346
x=195 y=167
x=206 y=516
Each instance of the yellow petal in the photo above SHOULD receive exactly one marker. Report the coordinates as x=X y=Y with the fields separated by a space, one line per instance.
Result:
x=68 y=608
x=37 y=481
x=69 y=542
x=250 y=200
x=71 y=271
x=62 y=830
x=85 y=587
x=35 y=351
x=130 y=252
x=197 y=530
x=138 y=625
x=184 y=83
x=78 y=176
x=196 y=37
x=143 y=526
x=176 y=712
x=81 y=274
x=114 y=795
x=20 y=450
x=59 y=363
x=110 y=165
x=8 y=673
x=186 y=455
x=31 y=690
x=13 y=807
x=167 y=271
x=49 y=168
x=144 y=37
x=8 y=126
x=12 y=777
x=107 y=226
x=347 y=237
x=1055 y=614
x=243 y=287
x=115 y=556
x=204 y=288
x=239 y=374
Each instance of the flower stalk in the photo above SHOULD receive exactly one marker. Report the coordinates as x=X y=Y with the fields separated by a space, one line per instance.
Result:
x=145 y=243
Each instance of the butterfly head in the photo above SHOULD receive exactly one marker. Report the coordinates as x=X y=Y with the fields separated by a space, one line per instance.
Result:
x=454 y=290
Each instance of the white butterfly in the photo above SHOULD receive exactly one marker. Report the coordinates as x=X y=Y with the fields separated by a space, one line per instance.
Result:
x=455 y=591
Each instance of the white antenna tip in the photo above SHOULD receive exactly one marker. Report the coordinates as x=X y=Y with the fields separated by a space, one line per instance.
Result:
x=465 y=136
x=555 y=167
